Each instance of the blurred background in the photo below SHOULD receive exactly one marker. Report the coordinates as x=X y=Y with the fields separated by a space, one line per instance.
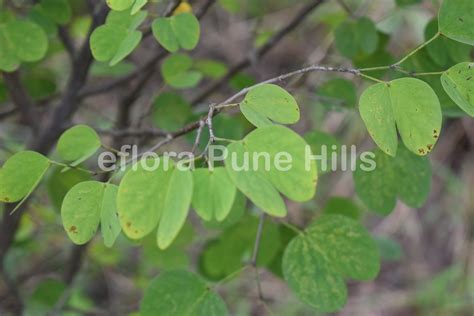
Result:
x=427 y=253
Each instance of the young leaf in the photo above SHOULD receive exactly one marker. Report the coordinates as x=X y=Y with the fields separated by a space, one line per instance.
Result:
x=185 y=293
x=105 y=41
x=176 y=70
x=81 y=210
x=109 y=221
x=176 y=206
x=141 y=196
x=458 y=82
x=267 y=103
x=127 y=46
x=214 y=193
x=78 y=143
x=406 y=176
x=20 y=174
x=332 y=249
x=182 y=30
x=456 y=21
x=409 y=104
x=120 y=5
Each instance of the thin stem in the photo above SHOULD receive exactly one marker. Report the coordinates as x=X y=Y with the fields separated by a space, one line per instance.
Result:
x=374 y=68
x=435 y=73
x=371 y=78
x=416 y=50
x=292 y=227
x=231 y=276
x=256 y=249
x=228 y=140
x=94 y=173
x=224 y=106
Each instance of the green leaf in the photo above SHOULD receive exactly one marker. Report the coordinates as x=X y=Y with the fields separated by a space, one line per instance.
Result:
x=120 y=5
x=268 y=102
x=403 y=3
x=455 y=20
x=105 y=41
x=126 y=19
x=109 y=221
x=57 y=10
x=332 y=249
x=141 y=196
x=127 y=46
x=458 y=82
x=254 y=184
x=81 y=210
x=20 y=175
x=182 y=30
x=176 y=70
x=408 y=104
x=171 y=111
x=356 y=37
x=176 y=206
x=211 y=68
x=78 y=143
x=21 y=41
x=262 y=180
x=184 y=293
x=214 y=193
x=406 y=176
x=235 y=215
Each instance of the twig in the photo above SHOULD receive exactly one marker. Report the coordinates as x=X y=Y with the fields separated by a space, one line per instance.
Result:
x=260 y=52
x=197 y=141
x=255 y=252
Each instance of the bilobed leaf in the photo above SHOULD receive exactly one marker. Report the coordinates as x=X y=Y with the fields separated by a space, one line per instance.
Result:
x=456 y=21
x=177 y=201
x=20 y=174
x=127 y=46
x=125 y=19
x=261 y=180
x=141 y=197
x=163 y=32
x=179 y=292
x=406 y=176
x=409 y=104
x=235 y=214
x=186 y=29
x=120 y=5
x=377 y=113
x=176 y=70
x=316 y=263
x=109 y=221
x=105 y=41
x=78 y=143
x=268 y=102
x=253 y=183
x=182 y=30
x=458 y=82
x=21 y=41
x=81 y=210
x=214 y=193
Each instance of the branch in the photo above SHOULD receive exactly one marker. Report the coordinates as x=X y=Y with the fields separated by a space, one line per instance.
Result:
x=260 y=52
x=256 y=249
x=21 y=99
